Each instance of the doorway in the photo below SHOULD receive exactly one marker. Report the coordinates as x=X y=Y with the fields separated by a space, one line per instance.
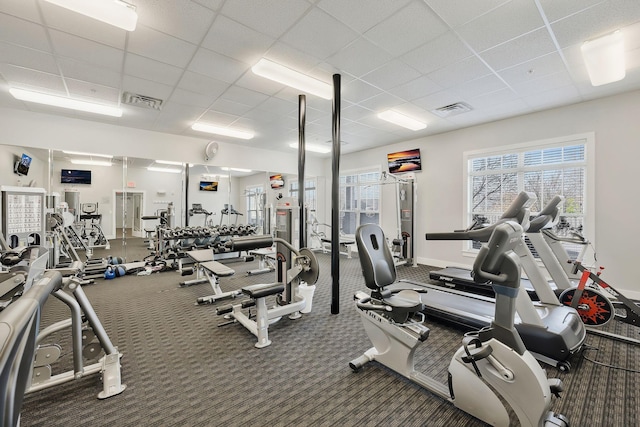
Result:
x=128 y=213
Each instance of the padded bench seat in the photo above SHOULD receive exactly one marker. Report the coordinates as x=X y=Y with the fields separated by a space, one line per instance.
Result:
x=263 y=290
x=217 y=268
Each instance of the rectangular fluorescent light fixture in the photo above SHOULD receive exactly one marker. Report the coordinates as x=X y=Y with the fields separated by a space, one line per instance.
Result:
x=312 y=148
x=167 y=162
x=400 y=119
x=63 y=102
x=168 y=170
x=219 y=130
x=113 y=12
x=604 y=58
x=79 y=153
x=90 y=162
x=224 y=168
x=288 y=77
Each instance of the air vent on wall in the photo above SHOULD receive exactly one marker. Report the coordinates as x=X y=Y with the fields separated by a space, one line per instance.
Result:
x=452 y=110
x=142 y=101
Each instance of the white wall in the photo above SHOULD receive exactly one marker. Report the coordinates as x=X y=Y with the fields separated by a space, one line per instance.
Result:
x=37 y=171
x=64 y=133
x=614 y=120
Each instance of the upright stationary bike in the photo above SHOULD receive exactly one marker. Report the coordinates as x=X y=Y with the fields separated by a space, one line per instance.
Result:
x=492 y=376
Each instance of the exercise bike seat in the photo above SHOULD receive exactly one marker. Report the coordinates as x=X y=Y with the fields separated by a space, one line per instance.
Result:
x=404 y=304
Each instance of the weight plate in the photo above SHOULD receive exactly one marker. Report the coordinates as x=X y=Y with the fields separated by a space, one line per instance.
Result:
x=310 y=276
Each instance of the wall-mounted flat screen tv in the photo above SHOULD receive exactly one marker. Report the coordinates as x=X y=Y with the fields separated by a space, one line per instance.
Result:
x=276 y=181
x=75 y=176
x=22 y=166
x=404 y=161
x=208 y=186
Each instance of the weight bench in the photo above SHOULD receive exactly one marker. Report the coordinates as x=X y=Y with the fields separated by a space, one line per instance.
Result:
x=266 y=261
x=205 y=266
x=260 y=326
x=345 y=246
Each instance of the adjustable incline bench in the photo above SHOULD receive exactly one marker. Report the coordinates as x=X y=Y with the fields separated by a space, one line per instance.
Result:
x=208 y=270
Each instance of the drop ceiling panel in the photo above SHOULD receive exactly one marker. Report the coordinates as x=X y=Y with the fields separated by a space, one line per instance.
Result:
x=92 y=92
x=244 y=96
x=185 y=20
x=23 y=33
x=230 y=107
x=357 y=91
x=468 y=69
x=361 y=15
x=199 y=83
x=481 y=102
x=28 y=58
x=409 y=28
x=545 y=83
x=481 y=86
x=145 y=68
x=536 y=68
x=305 y=35
x=25 y=9
x=25 y=78
x=236 y=41
x=438 y=53
x=266 y=17
x=391 y=74
x=555 y=10
x=88 y=51
x=553 y=98
x=219 y=67
x=153 y=44
x=88 y=72
x=258 y=84
x=360 y=57
x=506 y=22
x=194 y=99
x=596 y=21
x=458 y=13
x=417 y=88
x=521 y=49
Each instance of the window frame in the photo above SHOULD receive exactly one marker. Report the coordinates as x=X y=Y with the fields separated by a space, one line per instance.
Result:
x=359 y=171
x=259 y=213
x=587 y=138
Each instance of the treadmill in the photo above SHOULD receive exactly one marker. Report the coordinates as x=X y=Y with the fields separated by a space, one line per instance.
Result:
x=460 y=278
x=551 y=331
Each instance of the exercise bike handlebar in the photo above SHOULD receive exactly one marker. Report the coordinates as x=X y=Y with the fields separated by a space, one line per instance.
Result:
x=363 y=304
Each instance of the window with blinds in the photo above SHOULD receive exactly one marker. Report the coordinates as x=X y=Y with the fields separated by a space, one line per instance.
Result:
x=254 y=205
x=547 y=171
x=359 y=200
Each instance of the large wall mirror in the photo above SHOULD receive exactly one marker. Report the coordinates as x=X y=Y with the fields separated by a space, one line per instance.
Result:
x=123 y=195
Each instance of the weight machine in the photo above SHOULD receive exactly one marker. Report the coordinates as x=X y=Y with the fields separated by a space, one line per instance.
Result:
x=294 y=267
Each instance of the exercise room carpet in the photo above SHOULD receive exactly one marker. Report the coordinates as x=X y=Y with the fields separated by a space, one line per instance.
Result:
x=181 y=369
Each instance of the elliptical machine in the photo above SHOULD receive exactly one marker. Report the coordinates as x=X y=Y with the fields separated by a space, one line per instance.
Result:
x=492 y=375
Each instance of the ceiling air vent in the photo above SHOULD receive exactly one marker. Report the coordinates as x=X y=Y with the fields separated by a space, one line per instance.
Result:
x=142 y=101
x=452 y=110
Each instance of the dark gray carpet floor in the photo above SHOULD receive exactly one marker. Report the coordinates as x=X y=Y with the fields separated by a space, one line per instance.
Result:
x=181 y=369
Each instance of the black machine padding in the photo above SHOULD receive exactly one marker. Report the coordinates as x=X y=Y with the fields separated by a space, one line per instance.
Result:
x=247 y=243
x=263 y=290
x=376 y=259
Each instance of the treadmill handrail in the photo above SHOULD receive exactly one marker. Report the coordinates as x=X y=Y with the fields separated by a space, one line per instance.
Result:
x=518 y=211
